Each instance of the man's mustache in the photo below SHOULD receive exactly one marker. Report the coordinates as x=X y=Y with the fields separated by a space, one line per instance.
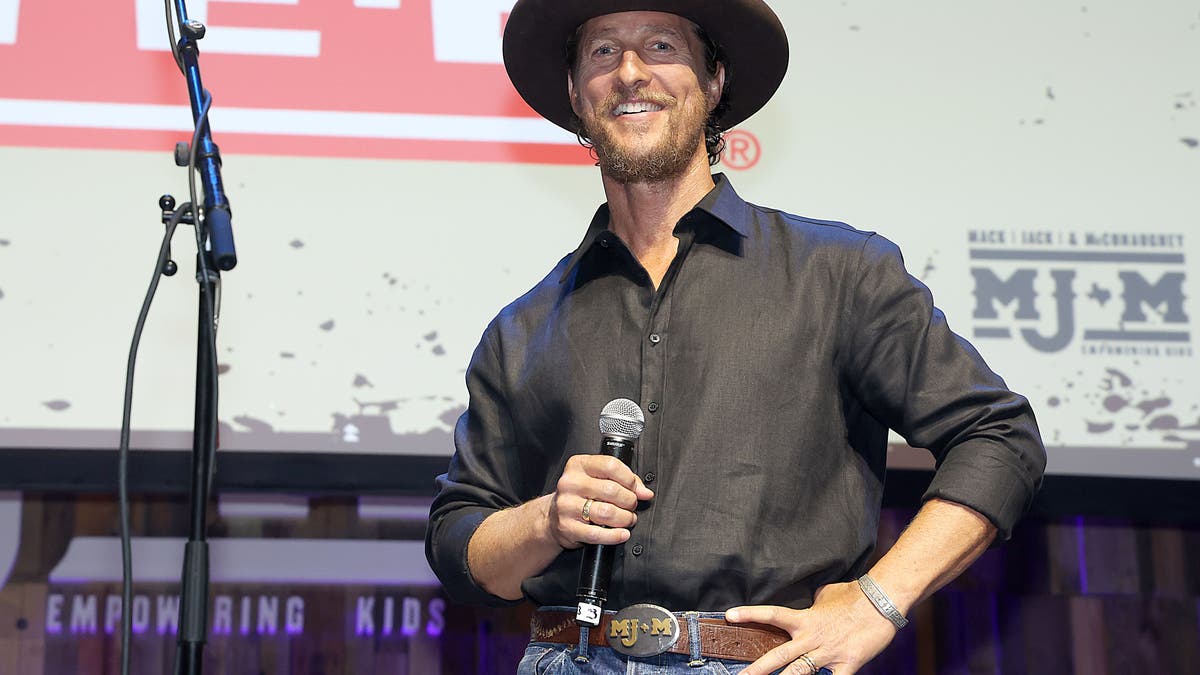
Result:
x=616 y=98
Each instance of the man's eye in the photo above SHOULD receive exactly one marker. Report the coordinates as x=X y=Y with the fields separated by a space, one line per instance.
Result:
x=605 y=50
x=663 y=46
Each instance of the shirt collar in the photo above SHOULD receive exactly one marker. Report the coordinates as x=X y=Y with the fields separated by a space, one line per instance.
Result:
x=722 y=204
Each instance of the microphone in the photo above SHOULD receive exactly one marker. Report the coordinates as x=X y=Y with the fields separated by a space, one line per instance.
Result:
x=621 y=423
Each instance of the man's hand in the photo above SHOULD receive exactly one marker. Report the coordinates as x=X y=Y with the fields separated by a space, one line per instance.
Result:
x=514 y=544
x=843 y=630
x=840 y=632
x=613 y=491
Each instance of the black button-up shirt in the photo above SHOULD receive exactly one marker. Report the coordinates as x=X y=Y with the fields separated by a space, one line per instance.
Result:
x=771 y=361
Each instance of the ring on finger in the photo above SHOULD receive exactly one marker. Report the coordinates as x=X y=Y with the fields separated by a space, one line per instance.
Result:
x=587 y=511
x=807 y=660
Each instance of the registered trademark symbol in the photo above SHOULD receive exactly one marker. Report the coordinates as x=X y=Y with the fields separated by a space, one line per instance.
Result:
x=742 y=150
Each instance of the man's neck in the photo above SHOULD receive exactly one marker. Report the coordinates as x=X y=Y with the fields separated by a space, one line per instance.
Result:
x=644 y=215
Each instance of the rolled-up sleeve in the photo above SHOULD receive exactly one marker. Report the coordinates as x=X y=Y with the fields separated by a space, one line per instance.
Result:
x=481 y=480
x=912 y=373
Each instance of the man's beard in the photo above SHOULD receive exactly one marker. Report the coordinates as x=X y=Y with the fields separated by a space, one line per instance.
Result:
x=670 y=155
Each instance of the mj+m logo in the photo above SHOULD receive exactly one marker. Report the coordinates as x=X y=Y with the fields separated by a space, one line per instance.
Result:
x=1132 y=302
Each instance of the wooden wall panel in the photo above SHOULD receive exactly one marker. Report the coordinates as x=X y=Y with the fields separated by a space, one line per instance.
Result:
x=11 y=612
x=1075 y=595
x=1166 y=546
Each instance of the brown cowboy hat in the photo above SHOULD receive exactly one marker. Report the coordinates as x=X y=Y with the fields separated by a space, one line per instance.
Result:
x=753 y=44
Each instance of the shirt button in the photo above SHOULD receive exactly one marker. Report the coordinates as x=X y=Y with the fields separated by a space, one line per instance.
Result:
x=603 y=243
x=638 y=549
x=655 y=338
x=649 y=477
x=653 y=407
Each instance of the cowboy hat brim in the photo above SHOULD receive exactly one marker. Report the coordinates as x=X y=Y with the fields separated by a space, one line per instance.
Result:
x=753 y=45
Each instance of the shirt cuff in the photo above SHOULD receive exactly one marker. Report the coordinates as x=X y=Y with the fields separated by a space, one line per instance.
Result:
x=446 y=550
x=982 y=477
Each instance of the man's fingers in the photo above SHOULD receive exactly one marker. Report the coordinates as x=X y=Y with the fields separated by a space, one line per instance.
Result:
x=782 y=657
x=643 y=493
x=605 y=479
x=781 y=617
x=610 y=468
x=608 y=490
x=822 y=664
x=607 y=493
x=603 y=491
x=828 y=662
x=585 y=533
x=798 y=667
x=792 y=658
x=577 y=521
x=608 y=515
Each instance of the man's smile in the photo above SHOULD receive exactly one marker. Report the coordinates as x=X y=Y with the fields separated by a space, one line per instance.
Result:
x=635 y=108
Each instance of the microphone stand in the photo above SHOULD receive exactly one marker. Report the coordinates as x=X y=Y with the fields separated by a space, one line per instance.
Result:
x=214 y=234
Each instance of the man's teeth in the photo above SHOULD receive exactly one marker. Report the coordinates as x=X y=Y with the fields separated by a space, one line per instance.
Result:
x=634 y=108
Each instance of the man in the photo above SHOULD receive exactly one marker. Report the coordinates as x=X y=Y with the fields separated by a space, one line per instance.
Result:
x=770 y=353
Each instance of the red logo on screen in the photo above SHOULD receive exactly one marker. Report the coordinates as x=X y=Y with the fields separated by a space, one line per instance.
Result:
x=419 y=79
x=742 y=150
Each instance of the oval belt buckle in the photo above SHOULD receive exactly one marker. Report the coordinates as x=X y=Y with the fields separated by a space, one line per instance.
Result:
x=643 y=630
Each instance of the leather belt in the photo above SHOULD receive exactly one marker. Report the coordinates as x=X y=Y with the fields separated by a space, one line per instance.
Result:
x=719 y=639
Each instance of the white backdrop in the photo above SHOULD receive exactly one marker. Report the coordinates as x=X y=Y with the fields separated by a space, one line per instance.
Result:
x=1042 y=153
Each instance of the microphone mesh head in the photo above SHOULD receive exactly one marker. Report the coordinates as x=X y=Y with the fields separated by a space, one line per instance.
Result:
x=622 y=417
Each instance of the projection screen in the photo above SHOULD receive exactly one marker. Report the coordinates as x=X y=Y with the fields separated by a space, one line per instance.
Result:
x=1037 y=162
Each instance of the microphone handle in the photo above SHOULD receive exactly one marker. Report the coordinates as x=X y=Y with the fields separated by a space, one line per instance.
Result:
x=595 y=570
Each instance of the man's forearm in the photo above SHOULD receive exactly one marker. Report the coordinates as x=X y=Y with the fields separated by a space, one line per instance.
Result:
x=940 y=544
x=510 y=546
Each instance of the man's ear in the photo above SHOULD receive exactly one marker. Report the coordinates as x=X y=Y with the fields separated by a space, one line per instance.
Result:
x=716 y=86
x=571 y=93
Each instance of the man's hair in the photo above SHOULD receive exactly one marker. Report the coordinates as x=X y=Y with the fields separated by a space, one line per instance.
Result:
x=714 y=135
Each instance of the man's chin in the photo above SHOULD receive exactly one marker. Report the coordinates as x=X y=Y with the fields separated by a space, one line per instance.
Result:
x=637 y=154
x=630 y=136
x=642 y=167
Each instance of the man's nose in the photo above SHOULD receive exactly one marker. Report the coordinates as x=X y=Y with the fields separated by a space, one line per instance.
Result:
x=633 y=71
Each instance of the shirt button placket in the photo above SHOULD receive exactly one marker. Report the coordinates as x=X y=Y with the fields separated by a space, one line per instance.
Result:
x=653 y=365
x=649 y=477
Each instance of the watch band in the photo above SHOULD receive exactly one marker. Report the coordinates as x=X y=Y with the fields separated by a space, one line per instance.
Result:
x=881 y=601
